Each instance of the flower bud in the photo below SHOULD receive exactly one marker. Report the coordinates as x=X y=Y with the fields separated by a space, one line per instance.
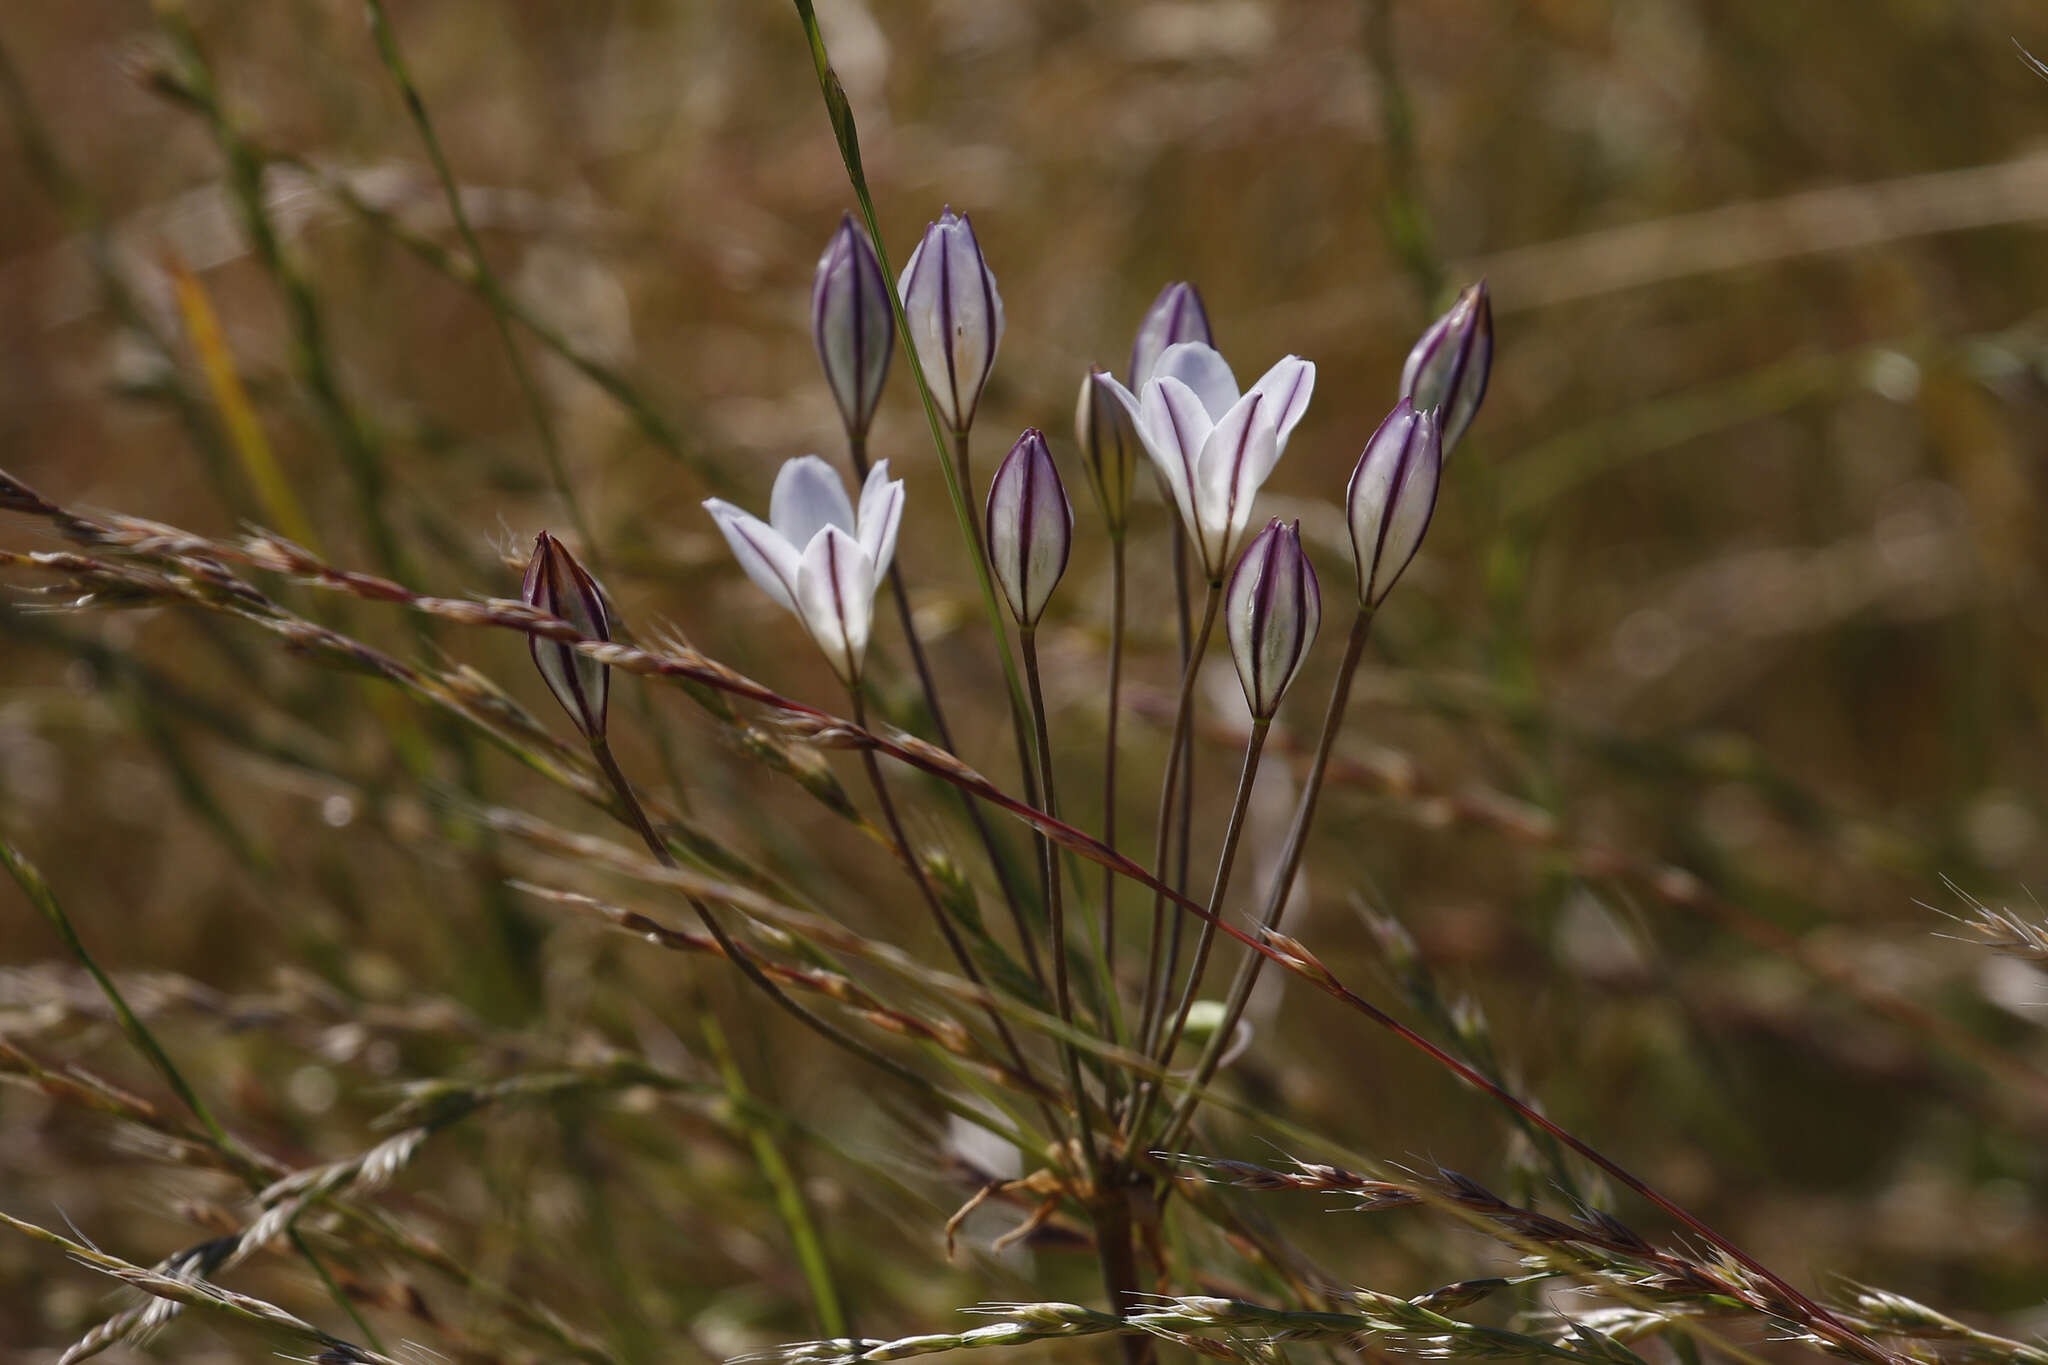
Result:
x=852 y=324
x=555 y=583
x=1175 y=316
x=954 y=314
x=1030 y=527
x=1391 y=496
x=1109 y=448
x=1447 y=370
x=1272 y=612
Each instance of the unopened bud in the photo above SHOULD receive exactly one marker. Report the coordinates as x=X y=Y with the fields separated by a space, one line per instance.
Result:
x=1030 y=527
x=852 y=324
x=1448 y=368
x=1272 y=613
x=555 y=583
x=954 y=314
x=1109 y=448
x=1391 y=497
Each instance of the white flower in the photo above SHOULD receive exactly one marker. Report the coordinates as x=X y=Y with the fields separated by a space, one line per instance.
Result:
x=1211 y=446
x=815 y=557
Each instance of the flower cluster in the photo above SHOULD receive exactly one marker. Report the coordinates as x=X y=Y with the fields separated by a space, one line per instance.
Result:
x=1210 y=444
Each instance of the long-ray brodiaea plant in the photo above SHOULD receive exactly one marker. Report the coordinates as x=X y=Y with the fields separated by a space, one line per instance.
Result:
x=1064 y=1045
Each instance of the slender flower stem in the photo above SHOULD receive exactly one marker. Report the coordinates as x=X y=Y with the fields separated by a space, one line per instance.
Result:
x=1117 y=586
x=1283 y=877
x=857 y=450
x=636 y=816
x=1055 y=905
x=968 y=967
x=1183 y=714
x=1184 y=823
x=1254 y=747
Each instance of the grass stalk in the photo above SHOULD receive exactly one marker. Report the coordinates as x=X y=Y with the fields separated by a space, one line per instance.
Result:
x=39 y=894
x=686 y=666
x=893 y=824
x=636 y=816
x=782 y=1183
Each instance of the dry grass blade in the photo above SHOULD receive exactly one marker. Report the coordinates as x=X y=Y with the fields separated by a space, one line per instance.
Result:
x=198 y=1293
x=210 y=584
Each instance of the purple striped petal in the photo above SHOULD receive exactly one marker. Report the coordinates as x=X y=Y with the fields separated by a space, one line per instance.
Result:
x=835 y=594
x=1235 y=461
x=1198 y=366
x=1174 y=426
x=1271 y=613
x=881 y=514
x=555 y=583
x=1391 y=498
x=1176 y=315
x=1287 y=387
x=809 y=496
x=955 y=315
x=852 y=324
x=1105 y=425
x=1449 y=366
x=1030 y=527
x=764 y=553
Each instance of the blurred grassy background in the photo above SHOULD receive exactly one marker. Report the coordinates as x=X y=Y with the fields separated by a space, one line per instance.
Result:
x=1726 y=648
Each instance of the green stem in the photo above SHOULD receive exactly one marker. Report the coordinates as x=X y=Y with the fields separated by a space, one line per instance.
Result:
x=1183 y=715
x=1207 y=942
x=498 y=303
x=782 y=1181
x=1283 y=878
x=848 y=138
x=1403 y=216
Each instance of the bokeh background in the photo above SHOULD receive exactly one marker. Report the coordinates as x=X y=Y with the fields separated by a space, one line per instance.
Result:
x=1719 y=688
